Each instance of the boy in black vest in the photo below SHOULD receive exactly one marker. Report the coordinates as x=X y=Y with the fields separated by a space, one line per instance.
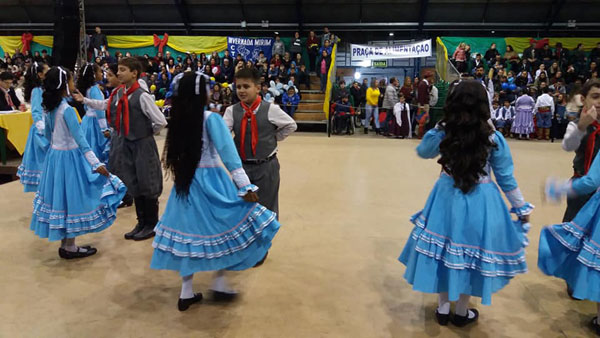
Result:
x=257 y=126
x=134 y=119
x=583 y=137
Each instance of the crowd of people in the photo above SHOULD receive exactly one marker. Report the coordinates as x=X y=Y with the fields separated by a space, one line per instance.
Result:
x=536 y=93
x=387 y=107
x=286 y=69
x=283 y=75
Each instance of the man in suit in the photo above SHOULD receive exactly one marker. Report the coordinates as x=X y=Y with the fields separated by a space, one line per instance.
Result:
x=8 y=98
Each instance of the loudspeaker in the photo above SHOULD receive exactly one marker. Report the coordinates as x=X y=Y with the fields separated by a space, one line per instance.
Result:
x=66 y=33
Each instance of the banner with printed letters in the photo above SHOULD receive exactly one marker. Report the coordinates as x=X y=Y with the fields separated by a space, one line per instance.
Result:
x=417 y=49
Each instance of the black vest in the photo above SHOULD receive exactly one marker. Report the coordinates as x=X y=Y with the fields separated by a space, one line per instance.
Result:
x=579 y=160
x=267 y=132
x=140 y=126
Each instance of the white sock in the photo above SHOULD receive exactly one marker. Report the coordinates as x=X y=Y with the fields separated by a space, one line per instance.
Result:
x=69 y=245
x=220 y=283
x=462 y=306
x=187 y=289
x=443 y=303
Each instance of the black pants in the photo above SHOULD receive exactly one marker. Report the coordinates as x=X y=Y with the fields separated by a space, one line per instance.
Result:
x=574 y=204
x=312 y=58
x=266 y=177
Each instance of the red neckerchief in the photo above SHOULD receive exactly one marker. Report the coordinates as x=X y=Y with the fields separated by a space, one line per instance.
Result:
x=249 y=114
x=123 y=102
x=589 y=148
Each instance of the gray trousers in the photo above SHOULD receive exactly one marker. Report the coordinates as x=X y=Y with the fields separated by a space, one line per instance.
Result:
x=137 y=164
x=266 y=177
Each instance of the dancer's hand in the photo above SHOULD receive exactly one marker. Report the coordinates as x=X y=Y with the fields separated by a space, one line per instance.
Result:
x=106 y=133
x=102 y=171
x=250 y=197
x=524 y=219
x=588 y=116
x=77 y=96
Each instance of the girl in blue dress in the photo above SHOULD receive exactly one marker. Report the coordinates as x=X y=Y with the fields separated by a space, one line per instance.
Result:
x=30 y=169
x=464 y=242
x=571 y=250
x=212 y=222
x=94 y=126
x=76 y=195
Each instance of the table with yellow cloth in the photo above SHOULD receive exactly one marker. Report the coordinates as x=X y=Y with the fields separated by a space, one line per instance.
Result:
x=14 y=128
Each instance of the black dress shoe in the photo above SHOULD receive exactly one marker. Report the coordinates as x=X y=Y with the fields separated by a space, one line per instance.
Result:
x=184 y=303
x=146 y=233
x=261 y=261
x=442 y=319
x=138 y=228
x=89 y=251
x=595 y=325
x=461 y=321
x=223 y=297
x=125 y=203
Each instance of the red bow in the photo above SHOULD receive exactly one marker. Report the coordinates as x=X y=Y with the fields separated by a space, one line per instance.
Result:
x=589 y=148
x=26 y=38
x=539 y=44
x=123 y=102
x=161 y=43
x=249 y=114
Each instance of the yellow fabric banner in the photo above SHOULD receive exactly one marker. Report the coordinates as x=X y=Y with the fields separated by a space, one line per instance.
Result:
x=130 y=41
x=10 y=43
x=519 y=44
x=17 y=127
x=44 y=40
x=198 y=44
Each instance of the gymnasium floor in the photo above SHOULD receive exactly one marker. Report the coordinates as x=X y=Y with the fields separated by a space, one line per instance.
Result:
x=332 y=271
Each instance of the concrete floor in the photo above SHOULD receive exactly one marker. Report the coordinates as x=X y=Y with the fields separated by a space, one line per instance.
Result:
x=332 y=271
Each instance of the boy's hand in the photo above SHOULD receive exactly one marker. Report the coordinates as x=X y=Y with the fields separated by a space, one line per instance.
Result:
x=588 y=116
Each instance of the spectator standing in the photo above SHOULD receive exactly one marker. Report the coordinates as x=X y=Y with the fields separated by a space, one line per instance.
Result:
x=312 y=45
x=326 y=36
x=324 y=64
x=407 y=89
x=227 y=56
x=358 y=95
x=98 y=42
x=423 y=92
x=372 y=107
x=511 y=57
x=278 y=47
x=490 y=55
x=227 y=71
x=296 y=46
x=460 y=58
x=561 y=55
x=390 y=99
x=546 y=55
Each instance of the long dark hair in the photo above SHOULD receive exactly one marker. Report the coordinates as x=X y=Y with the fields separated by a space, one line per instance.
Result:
x=87 y=77
x=183 y=146
x=55 y=83
x=465 y=148
x=32 y=79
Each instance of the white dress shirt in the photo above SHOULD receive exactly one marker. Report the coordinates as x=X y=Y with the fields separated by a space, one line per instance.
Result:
x=285 y=124
x=149 y=109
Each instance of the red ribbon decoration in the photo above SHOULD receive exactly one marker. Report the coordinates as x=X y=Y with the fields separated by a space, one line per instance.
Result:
x=122 y=106
x=26 y=38
x=539 y=44
x=161 y=43
x=249 y=114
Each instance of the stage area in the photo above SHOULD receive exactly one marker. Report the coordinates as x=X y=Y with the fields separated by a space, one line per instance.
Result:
x=332 y=271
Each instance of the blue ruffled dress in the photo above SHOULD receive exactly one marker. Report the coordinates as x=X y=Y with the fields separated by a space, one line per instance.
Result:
x=467 y=243
x=94 y=124
x=571 y=250
x=72 y=200
x=30 y=169
x=214 y=228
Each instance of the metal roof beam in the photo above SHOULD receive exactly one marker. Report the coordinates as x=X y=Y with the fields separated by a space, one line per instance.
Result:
x=557 y=5
x=422 y=13
x=183 y=14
